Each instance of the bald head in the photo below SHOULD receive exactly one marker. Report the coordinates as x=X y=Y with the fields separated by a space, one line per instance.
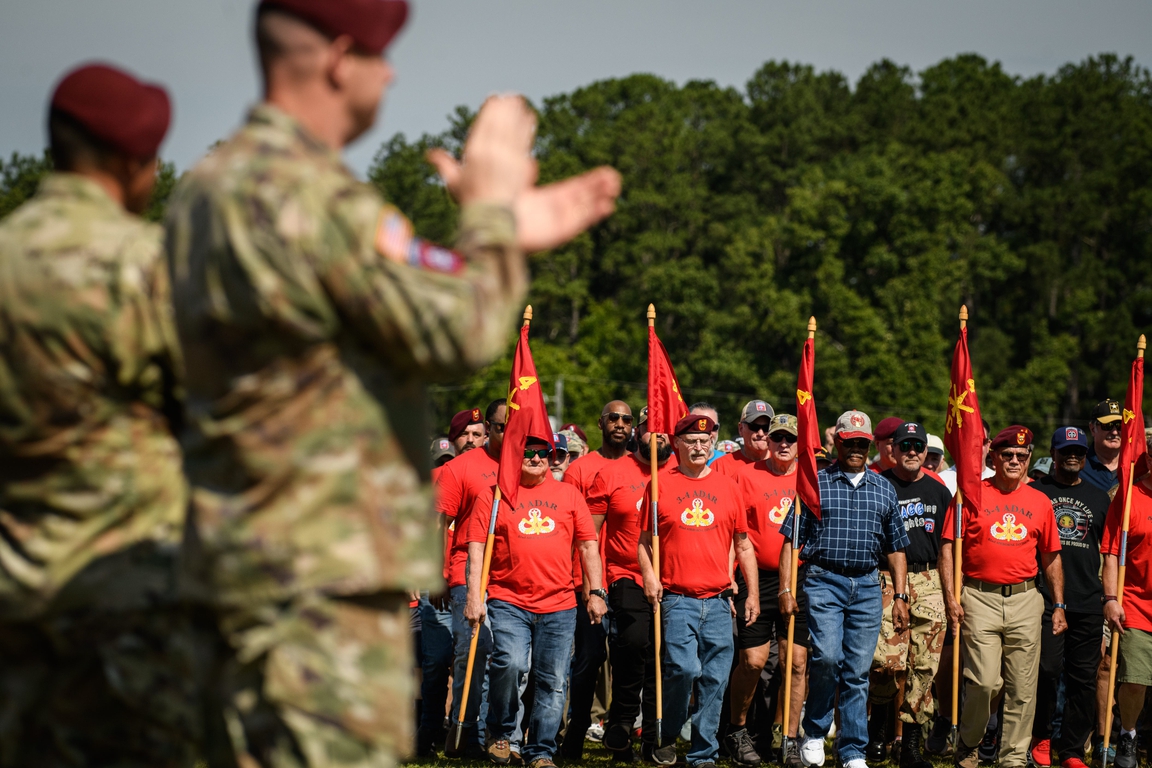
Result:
x=616 y=425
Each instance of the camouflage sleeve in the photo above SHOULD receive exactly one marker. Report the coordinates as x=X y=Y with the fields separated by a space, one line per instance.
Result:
x=423 y=307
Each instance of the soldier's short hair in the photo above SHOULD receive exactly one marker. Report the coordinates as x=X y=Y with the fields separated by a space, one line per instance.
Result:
x=490 y=411
x=72 y=146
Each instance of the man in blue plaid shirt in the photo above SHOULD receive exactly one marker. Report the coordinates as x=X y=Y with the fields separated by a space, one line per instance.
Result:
x=859 y=523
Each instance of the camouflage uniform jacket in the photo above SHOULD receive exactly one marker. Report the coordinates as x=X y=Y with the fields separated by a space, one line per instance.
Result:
x=310 y=323
x=89 y=467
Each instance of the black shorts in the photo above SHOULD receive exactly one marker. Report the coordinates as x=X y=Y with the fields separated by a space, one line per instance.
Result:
x=771 y=624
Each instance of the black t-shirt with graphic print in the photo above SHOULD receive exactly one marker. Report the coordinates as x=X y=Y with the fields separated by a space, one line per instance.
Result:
x=1080 y=511
x=922 y=504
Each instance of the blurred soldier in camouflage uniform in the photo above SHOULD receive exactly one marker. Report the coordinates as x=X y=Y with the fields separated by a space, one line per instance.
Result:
x=905 y=663
x=96 y=663
x=312 y=318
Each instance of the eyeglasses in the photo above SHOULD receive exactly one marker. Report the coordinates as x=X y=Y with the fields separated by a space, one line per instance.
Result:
x=612 y=417
x=559 y=455
x=754 y=428
x=537 y=453
x=1076 y=453
x=698 y=443
x=1112 y=426
x=782 y=437
x=856 y=443
x=912 y=446
x=497 y=427
x=1010 y=456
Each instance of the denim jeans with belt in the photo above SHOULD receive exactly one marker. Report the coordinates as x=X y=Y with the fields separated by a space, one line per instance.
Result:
x=478 y=691
x=844 y=616
x=523 y=641
x=437 y=653
x=698 y=648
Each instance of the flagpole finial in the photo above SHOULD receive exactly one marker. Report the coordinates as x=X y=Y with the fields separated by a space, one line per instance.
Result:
x=963 y=315
x=812 y=327
x=1141 y=345
x=651 y=314
x=527 y=314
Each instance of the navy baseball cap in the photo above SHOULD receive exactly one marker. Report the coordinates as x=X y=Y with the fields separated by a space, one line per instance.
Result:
x=1066 y=436
x=560 y=441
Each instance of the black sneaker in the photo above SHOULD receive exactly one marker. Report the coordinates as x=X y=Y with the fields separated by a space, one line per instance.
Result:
x=740 y=749
x=792 y=754
x=989 y=746
x=938 y=737
x=665 y=755
x=1126 y=752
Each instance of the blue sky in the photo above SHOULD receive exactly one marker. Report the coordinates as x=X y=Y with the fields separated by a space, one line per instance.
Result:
x=458 y=51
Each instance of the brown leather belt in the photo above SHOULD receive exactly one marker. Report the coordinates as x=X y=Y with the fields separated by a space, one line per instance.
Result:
x=1005 y=590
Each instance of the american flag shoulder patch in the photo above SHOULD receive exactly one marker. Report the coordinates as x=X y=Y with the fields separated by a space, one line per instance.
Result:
x=396 y=241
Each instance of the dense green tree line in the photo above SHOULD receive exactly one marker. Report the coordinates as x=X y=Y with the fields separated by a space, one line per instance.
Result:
x=879 y=209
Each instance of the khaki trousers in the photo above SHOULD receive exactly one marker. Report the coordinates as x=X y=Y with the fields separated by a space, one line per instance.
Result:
x=1001 y=637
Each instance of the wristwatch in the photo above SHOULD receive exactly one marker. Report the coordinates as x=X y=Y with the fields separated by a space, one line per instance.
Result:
x=600 y=593
x=900 y=596
x=1061 y=606
x=1107 y=599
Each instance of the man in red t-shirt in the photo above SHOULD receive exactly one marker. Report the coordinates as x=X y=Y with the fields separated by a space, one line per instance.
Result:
x=1132 y=620
x=769 y=490
x=466 y=430
x=700 y=519
x=755 y=422
x=615 y=500
x=885 y=458
x=530 y=601
x=458 y=485
x=591 y=639
x=1000 y=610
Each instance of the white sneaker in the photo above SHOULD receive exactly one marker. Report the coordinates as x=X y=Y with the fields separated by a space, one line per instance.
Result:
x=812 y=752
x=857 y=763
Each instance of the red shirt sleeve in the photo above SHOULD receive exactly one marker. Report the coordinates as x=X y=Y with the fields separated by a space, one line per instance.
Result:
x=585 y=530
x=948 y=532
x=598 y=494
x=646 y=509
x=1113 y=522
x=480 y=518
x=449 y=491
x=741 y=510
x=1049 y=539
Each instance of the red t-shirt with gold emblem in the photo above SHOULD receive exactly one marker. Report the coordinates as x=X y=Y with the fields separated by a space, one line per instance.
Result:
x=532 y=552
x=460 y=482
x=1002 y=540
x=617 y=494
x=768 y=497
x=1138 y=558
x=697 y=519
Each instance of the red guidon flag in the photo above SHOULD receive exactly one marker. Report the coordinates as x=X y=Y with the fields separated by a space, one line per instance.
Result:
x=1133 y=448
x=808 y=429
x=963 y=428
x=665 y=404
x=527 y=417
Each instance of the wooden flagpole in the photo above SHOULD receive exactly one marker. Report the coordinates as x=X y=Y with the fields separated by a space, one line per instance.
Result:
x=489 y=543
x=1141 y=345
x=957 y=582
x=794 y=568
x=654 y=466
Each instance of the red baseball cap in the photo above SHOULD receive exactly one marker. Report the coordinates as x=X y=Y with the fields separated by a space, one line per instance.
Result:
x=130 y=116
x=372 y=24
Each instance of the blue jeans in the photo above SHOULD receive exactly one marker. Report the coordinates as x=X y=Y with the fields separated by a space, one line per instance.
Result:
x=523 y=641
x=698 y=648
x=844 y=615
x=437 y=651
x=462 y=634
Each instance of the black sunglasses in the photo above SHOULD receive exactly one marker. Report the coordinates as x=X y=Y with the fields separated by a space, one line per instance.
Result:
x=782 y=437
x=859 y=443
x=613 y=417
x=912 y=446
x=754 y=428
x=1112 y=426
x=1008 y=456
x=1074 y=451
x=559 y=455
x=497 y=426
x=538 y=453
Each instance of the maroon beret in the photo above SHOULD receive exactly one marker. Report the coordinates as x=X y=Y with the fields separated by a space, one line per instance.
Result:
x=694 y=423
x=887 y=427
x=462 y=421
x=1013 y=436
x=370 y=23
x=116 y=108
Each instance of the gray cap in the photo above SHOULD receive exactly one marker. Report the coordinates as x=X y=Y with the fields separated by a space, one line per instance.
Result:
x=756 y=409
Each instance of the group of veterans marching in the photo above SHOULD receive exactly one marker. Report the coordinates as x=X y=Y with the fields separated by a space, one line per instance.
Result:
x=215 y=497
x=872 y=607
